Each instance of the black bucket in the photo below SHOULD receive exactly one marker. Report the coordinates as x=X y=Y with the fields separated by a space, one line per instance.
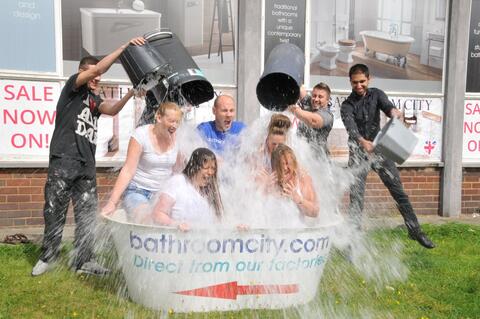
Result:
x=279 y=85
x=144 y=66
x=185 y=80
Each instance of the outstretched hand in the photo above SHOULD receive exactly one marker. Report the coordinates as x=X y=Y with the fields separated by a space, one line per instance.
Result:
x=288 y=190
x=138 y=41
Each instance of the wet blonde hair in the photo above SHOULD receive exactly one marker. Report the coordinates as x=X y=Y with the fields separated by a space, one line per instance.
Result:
x=278 y=153
x=164 y=107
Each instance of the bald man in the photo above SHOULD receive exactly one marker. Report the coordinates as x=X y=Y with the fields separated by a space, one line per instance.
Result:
x=222 y=133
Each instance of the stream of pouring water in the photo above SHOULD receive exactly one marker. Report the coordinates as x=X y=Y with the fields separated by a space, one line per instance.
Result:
x=376 y=263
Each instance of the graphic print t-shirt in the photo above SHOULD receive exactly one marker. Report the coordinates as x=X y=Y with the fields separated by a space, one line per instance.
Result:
x=75 y=134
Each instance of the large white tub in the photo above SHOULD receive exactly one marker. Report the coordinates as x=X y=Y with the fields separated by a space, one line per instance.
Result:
x=382 y=42
x=207 y=270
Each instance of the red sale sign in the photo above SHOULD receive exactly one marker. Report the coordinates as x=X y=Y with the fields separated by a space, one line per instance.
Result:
x=27 y=116
x=471 y=130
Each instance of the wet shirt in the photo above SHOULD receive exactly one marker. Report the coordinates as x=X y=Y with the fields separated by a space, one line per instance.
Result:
x=316 y=137
x=219 y=141
x=75 y=134
x=153 y=168
x=361 y=114
x=190 y=206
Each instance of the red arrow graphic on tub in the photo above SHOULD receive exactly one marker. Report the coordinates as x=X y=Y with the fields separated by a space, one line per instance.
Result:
x=230 y=290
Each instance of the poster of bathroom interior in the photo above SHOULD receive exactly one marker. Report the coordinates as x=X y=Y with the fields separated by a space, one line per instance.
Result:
x=402 y=42
x=422 y=115
x=206 y=28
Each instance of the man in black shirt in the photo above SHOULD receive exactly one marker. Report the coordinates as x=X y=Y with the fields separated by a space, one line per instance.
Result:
x=71 y=167
x=316 y=120
x=361 y=115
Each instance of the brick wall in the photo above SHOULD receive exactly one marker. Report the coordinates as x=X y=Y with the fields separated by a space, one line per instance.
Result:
x=471 y=191
x=422 y=185
x=21 y=193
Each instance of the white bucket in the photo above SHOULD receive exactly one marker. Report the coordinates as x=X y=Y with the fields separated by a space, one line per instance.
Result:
x=395 y=141
x=220 y=269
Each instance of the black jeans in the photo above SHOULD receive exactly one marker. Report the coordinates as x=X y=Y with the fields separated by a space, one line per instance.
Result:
x=69 y=179
x=360 y=165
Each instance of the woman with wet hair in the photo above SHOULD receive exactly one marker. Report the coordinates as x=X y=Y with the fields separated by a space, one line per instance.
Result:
x=293 y=182
x=277 y=134
x=152 y=158
x=192 y=197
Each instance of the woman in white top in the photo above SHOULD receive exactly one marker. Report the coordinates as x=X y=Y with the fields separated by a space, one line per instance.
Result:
x=152 y=158
x=191 y=198
x=293 y=182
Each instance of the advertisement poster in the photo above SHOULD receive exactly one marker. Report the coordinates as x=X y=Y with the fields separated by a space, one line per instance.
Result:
x=284 y=23
x=402 y=42
x=27 y=119
x=473 y=80
x=471 y=130
x=27 y=29
x=27 y=116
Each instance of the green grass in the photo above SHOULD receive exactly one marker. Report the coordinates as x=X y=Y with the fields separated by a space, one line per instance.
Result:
x=441 y=283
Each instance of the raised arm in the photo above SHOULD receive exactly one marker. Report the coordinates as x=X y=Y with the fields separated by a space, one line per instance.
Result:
x=313 y=120
x=126 y=174
x=104 y=64
x=113 y=109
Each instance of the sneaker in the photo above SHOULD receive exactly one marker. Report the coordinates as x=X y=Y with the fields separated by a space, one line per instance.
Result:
x=40 y=268
x=93 y=268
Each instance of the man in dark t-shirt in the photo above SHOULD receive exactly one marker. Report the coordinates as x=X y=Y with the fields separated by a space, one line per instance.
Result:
x=71 y=167
x=361 y=115
x=316 y=120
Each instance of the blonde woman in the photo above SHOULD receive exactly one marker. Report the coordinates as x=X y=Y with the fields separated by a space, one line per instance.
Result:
x=293 y=182
x=152 y=157
x=277 y=134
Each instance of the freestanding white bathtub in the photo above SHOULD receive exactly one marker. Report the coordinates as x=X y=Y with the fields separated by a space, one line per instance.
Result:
x=382 y=42
x=221 y=269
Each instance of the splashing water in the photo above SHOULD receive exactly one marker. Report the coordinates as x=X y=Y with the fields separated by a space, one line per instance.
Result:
x=355 y=254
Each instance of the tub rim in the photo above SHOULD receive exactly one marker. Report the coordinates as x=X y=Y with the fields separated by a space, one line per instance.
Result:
x=339 y=219
x=404 y=39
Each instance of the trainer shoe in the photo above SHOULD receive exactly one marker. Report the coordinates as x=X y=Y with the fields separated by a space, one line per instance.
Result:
x=40 y=268
x=93 y=268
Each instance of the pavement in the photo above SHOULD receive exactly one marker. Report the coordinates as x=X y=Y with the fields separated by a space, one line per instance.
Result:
x=36 y=233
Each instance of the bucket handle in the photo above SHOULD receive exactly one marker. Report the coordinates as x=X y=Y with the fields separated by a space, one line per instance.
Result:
x=157 y=35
